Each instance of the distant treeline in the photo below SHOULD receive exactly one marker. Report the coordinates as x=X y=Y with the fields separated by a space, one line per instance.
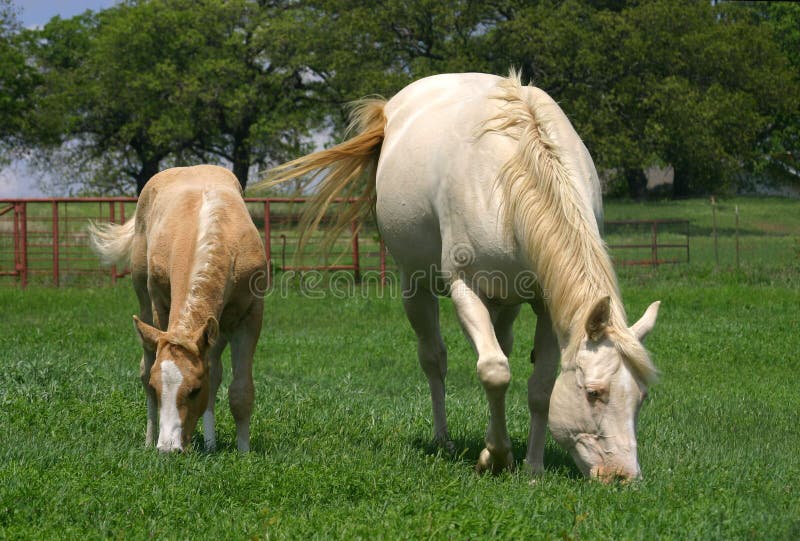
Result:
x=108 y=98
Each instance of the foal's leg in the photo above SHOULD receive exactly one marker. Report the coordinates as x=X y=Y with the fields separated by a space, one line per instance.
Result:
x=148 y=358
x=493 y=372
x=546 y=355
x=215 y=377
x=241 y=391
x=422 y=310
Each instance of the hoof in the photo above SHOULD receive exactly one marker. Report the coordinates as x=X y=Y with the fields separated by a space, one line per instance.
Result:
x=489 y=463
x=446 y=445
x=534 y=470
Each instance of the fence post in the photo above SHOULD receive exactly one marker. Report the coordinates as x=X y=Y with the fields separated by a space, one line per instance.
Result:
x=111 y=220
x=737 y=236
x=56 y=273
x=24 y=243
x=688 y=226
x=17 y=244
x=268 y=241
x=356 y=257
x=654 y=242
x=714 y=228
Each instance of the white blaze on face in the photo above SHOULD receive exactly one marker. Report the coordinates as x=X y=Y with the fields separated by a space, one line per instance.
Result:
x=170 y=430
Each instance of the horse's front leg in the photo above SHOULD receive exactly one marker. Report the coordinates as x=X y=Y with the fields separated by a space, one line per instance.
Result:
x=214 y=379
x=545 y=356
x=148 y=313
x=493 y=372
x=148 y=357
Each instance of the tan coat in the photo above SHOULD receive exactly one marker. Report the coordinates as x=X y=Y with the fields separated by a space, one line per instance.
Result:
x=195 y=259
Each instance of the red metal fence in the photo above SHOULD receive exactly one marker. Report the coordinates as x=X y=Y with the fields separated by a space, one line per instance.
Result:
x=45 y=241
x=625 y=236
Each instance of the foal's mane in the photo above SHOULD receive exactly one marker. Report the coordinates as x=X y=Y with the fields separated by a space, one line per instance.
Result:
x=551 y=216
x=210 y=266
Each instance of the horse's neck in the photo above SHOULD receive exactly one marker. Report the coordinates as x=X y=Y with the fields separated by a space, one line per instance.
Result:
x=202 y=293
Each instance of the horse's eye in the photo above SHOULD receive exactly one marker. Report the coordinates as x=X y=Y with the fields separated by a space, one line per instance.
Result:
x=194 y=392
x=593 y=394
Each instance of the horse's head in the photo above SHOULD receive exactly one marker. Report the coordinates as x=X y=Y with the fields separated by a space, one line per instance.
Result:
x=596 y=398
x=180 y=378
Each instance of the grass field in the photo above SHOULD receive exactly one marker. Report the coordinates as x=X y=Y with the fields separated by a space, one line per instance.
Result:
x=342 y=425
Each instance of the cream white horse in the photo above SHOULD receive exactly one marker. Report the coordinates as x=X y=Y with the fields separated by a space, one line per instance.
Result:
x=193 y=251
x=484 y=190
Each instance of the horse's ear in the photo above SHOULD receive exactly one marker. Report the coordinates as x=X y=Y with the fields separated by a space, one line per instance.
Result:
x=642 y=328
x=598 y=318
x=148 y=335
x=207 y=336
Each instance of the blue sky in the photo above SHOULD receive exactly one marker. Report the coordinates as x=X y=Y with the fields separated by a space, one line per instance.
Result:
x=38 y=12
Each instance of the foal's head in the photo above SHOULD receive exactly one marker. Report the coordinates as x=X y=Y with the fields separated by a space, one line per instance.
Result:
x=596 y=399
x=180 y=378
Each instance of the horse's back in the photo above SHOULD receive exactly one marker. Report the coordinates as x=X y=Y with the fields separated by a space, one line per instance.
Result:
x=443 y=152
x=174 y=208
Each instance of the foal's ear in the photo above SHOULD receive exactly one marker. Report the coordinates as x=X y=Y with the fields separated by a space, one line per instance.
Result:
x=148 y=335
x=207 y=336
x=598 y=318
x=642 y=328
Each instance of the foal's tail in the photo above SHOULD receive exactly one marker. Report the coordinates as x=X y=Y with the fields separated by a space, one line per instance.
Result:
x=112 y=242
x=345 y=171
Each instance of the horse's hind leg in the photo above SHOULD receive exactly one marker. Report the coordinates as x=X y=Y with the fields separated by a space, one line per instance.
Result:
x=422 y=310
x=545 y=356
x=215 y=377
x=241 y=391
x=493 y=372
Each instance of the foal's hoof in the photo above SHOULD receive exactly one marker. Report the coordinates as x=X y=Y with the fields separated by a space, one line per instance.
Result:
x=489 y=463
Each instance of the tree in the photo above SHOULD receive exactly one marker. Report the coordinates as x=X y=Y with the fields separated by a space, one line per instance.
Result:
x=17 y=79
x=688 y=84
x=147 y=84
x=112 y=97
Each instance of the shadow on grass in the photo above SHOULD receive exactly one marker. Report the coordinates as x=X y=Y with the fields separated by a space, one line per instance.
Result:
x=469 y=449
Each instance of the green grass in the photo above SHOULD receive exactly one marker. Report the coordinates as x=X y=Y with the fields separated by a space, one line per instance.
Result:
x=341 y=429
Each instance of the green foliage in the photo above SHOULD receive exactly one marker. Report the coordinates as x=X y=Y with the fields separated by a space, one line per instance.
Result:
x=17 y=79
x=709 y=88
x=159 y=82
x=689 y=84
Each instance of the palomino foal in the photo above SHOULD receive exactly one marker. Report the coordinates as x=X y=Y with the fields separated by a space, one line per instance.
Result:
x=194 y=253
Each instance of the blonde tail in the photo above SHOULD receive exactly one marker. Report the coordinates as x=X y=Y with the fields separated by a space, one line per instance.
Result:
x=112 y=242
x=346 y=171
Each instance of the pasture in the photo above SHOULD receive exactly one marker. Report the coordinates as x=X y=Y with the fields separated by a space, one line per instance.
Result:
x=341 y=429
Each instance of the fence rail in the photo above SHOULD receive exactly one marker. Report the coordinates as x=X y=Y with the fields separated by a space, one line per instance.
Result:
x=45 y=241
x=626 y=235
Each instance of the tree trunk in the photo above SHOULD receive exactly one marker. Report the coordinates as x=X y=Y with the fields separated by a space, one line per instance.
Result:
x=637 y=183
x=241 y=160
x=146 y=172
x=680 y=184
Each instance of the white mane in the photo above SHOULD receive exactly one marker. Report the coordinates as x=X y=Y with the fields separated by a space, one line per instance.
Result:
x=549 y=212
